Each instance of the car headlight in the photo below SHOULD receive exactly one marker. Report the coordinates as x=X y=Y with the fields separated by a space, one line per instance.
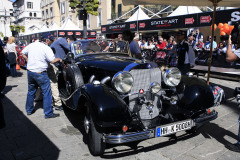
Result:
x=155 y=87
x=172 y=77
x=123 y=82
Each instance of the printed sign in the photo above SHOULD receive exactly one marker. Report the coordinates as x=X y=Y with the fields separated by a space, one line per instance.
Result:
x=132 y=26
x=205 y=19
x=93 y=33
x=70 y=33
x=62 y=33
x=189 y=20
x=78 y=33
x=104 y=29
x=142 y=25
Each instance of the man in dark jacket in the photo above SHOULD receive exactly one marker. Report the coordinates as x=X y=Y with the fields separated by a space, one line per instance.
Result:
x=60 y=48
x=2 y=84
x=181 y=51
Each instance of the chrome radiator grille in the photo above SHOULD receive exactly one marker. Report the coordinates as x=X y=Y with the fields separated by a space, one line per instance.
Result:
x=142 y=80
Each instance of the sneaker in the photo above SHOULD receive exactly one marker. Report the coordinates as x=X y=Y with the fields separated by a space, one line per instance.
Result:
x=233 y=147
x=34 y=110
x=53 y=116
x=58 y=108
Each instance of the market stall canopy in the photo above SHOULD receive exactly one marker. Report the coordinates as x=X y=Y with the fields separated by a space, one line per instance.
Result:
x=54 y=26
x=182 y=10
x=44 y=28
x=30 y=30
x=69 y=25
x=138 y=15
x=228 y=3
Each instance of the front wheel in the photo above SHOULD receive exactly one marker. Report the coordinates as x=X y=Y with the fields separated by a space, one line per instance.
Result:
x=95 y=138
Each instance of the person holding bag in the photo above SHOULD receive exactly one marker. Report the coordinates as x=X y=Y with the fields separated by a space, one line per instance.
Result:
x=12 y=55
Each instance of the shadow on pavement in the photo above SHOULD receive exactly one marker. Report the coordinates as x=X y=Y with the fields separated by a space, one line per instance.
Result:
x=21 y=139
x=76 y=119
x=8 y=89
x=214 y=131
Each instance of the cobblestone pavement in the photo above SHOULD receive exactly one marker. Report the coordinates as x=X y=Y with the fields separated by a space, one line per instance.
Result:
x=35 y=138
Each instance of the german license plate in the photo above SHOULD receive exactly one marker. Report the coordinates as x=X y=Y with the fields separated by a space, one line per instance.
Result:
x=174 y=127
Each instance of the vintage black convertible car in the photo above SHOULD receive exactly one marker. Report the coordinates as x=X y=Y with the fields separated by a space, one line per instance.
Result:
x=124 y=99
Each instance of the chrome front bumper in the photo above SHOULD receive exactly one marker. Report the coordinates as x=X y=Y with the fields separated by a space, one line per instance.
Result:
x=137 y=136
x=124 y=138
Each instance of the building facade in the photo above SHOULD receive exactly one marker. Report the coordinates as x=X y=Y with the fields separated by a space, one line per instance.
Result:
x=6 y=10
x=28 y=14
x=50 y=12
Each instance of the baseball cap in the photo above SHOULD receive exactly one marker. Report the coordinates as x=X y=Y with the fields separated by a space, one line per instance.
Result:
x=48 y=35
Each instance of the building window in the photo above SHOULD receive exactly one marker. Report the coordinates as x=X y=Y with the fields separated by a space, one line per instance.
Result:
x=88 y=21
x=30 y=5
x=46 y=13
x=51 y=12
x=43 y=15
x=119 y=10
x=99 y=18
x=63 y=8
x=35 y=14
x=30 y=14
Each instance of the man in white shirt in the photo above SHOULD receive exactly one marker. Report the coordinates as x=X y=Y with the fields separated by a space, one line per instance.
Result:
x=38 y=55
x=231 y=57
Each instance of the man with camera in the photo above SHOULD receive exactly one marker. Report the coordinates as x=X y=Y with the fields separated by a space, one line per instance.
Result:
x=234 y=38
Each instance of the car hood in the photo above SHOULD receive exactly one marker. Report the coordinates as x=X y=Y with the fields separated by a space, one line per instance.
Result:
x=110 y=62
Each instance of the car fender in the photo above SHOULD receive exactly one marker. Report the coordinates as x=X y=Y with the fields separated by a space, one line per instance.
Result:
x=196 y=95
x=107 y=108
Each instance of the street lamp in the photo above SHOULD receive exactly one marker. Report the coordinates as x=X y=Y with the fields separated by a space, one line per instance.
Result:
x=16 y=14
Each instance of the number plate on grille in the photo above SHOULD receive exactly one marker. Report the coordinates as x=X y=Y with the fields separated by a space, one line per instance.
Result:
x=174 y=127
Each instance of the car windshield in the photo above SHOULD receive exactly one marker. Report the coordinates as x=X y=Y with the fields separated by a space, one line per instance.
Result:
x=81 y=47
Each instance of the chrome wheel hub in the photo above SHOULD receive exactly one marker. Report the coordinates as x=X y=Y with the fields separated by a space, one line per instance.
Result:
x=86 y=124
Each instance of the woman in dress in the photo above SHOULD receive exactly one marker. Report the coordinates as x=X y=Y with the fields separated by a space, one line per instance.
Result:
x=12 y=55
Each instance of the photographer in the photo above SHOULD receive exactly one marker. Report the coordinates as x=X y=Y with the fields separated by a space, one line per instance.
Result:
x=233 y=56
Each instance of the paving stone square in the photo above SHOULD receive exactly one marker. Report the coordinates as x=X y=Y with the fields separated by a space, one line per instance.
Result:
x=36 y=138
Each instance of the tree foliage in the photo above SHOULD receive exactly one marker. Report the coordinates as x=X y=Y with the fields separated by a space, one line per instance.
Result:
x=91 y=6
x=17 y=28
x=1 y=34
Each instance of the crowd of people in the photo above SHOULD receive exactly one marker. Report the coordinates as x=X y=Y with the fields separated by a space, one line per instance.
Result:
x=198 y=47
x=42 y=58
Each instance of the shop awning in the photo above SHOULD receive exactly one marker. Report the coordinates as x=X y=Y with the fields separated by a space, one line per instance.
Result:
x=182 y=10
x=228 y=3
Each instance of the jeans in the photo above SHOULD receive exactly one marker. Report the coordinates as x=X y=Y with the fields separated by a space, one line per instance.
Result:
x=41 y=80
x=13 y=71
x=7 y=69
x=239 y=131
